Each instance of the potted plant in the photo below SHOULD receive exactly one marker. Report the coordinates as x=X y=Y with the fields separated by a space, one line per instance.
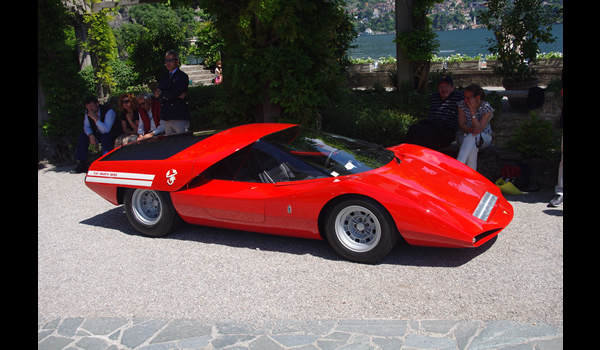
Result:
x=519 y=26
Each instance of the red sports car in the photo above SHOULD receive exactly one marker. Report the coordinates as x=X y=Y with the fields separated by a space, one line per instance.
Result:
x=289 y=180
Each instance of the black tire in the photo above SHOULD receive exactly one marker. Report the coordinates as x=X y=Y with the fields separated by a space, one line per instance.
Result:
x=360 y=230
x=151 y=212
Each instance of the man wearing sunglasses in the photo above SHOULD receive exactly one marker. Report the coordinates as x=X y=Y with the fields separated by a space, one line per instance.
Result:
x=172 y=91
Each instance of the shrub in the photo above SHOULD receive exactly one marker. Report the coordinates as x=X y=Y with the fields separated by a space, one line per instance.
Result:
x=495 y=100
x=386 y=128
x=535 y=138
x=375 y=117
x=202 y=114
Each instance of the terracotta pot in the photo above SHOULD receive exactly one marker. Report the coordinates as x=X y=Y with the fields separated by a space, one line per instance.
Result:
x=508 y=84
x=519 y=102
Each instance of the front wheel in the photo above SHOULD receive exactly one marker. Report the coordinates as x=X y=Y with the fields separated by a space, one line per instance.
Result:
x=151 y=212
x=360 y=230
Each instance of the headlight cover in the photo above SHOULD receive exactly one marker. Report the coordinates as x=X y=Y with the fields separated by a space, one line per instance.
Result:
x=485 y=206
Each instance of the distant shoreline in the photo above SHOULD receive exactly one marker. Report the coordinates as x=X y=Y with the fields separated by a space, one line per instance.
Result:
x=466 y=42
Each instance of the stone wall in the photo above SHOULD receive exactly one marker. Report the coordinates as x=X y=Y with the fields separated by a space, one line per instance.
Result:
x=464 y=73
x=508 y=119
x=468 y=72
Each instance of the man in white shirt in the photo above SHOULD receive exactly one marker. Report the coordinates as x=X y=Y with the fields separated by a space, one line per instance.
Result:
x=150 y=118
x=98 y=127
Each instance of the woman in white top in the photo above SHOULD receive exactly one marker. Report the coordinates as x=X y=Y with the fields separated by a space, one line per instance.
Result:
x=474 y=115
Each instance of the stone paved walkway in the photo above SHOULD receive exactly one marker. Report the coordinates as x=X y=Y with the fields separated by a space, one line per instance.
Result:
x=163 y=334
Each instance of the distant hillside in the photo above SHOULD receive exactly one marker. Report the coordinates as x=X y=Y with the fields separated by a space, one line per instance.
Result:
x=379 y=15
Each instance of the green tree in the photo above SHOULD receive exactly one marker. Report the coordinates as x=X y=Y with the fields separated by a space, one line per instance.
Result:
x=209 y=44
x=59 y=80
x=518 y=27
x=144 y=14
x=126 y=35
x=147 y=50
x=103 y=49
x=281 y=58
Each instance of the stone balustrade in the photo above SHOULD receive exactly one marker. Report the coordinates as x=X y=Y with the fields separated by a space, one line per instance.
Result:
x=463 y=72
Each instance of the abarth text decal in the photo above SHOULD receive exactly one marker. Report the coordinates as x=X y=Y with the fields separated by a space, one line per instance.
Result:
x=118 y=178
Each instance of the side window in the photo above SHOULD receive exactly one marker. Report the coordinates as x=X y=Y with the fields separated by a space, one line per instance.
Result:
x=233 y=168
x=279 y=165
x=271 y=169
x=264 y=163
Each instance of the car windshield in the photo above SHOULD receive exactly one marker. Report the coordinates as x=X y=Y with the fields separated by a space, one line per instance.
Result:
x=330 y=154
x=299 y=153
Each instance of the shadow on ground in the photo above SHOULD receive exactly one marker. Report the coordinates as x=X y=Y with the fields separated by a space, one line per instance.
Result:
x=402 y=254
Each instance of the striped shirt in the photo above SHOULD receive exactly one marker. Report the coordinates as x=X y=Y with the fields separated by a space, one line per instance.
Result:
x=445 y=111
x=483 y=109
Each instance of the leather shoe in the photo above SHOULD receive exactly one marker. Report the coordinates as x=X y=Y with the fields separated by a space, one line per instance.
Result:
x=81 y=168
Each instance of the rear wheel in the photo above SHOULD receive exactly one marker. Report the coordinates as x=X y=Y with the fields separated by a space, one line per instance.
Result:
x=360 y=230
x=151 y=212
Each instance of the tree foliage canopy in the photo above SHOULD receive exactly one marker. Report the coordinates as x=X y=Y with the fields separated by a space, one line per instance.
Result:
x=58 y=70
x=209 y=44
x=289 y=53
x=103 y=47
x=147 y=50
x=519 y=27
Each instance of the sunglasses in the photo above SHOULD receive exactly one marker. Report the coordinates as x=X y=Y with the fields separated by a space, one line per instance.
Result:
x=170 y=60
x=125 y=101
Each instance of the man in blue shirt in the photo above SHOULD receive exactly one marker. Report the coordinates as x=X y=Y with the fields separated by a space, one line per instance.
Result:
x=440 y=127
x=98 y=127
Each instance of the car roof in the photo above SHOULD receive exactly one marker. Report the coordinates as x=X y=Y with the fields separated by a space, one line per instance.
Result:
x=189 y=146
x=224 y=143
x=189 y=154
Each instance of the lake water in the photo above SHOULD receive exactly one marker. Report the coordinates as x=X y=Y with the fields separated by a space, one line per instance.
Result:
x=464 y=42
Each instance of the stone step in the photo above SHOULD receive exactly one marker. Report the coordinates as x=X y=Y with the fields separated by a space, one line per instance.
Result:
x=198 y=74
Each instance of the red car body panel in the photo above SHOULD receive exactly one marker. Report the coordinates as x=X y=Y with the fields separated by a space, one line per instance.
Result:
x=188 y=163
x=430 y=196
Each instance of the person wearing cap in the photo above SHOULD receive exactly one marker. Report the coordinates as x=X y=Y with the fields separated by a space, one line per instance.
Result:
x=439 y=129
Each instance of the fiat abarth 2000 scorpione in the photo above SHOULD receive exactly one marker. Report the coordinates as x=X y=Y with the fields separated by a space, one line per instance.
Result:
x=289 y=180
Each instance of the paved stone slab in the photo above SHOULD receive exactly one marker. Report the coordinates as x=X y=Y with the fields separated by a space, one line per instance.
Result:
x=162 y=334
x=104 y=325
x=139 y=333
x=182 y=329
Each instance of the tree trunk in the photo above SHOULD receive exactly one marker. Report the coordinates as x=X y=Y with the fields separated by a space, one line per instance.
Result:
x=422 y=78
x=78 y=8
x=403 y=24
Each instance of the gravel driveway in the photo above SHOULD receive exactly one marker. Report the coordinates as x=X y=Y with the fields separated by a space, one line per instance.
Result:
x=91 y=263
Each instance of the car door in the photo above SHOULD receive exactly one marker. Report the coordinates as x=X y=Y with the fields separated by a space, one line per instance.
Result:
x=237 y=186
x=233 y=189
x=235 y=201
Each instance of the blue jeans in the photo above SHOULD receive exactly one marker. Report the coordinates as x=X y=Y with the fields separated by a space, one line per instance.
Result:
x=81 y=152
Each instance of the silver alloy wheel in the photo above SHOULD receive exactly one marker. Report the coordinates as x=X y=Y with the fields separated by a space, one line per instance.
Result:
x=357 y=228
x=147 y=207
